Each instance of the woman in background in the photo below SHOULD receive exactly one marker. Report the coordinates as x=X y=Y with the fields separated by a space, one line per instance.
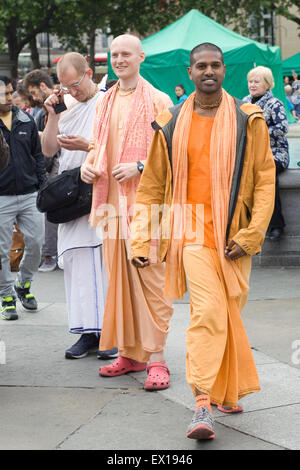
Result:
x=180 y=93
x=260 y=83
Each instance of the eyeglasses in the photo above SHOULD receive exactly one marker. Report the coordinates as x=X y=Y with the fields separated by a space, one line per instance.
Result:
x=75 y=85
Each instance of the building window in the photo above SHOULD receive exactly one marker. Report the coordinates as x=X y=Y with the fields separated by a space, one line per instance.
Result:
x=261 y=26
x=43 y=40
x=104 y=39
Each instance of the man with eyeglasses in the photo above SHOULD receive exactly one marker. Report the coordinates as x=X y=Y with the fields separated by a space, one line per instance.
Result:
x=79 y=245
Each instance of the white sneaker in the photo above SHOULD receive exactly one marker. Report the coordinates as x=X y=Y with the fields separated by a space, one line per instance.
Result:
x=48 y=267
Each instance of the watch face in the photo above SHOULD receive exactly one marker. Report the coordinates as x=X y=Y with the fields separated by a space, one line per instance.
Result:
x=140 y=167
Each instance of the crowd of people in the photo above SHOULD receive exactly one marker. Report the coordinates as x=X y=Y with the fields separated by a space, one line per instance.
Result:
x=292 y=91
x=181 y=195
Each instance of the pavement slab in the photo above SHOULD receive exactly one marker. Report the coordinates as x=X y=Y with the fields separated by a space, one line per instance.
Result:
x=48 y=402
x=279 y=425
x=144 y=420
x=36 y=418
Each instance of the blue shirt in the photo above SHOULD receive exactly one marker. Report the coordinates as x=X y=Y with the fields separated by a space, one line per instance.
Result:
x=182 y=98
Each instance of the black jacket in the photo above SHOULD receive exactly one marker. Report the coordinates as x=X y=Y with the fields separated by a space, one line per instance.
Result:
x=26 y=168
x=4 y=152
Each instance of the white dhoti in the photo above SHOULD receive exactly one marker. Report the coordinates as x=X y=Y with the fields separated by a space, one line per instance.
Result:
x=86 y=285
x=79 y=244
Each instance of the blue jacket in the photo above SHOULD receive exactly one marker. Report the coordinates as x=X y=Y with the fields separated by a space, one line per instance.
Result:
x=277 y=123
x=26 y=168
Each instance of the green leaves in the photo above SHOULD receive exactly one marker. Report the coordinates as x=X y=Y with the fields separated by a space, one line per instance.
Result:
x=72 y=20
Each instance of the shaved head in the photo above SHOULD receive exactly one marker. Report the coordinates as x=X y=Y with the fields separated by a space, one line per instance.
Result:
x=73 y=59
x=128 y=40
x=126 y=56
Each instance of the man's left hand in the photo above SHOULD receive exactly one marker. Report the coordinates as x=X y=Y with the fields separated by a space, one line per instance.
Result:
x=234 y=251
x=73 y=142
x=125 y=171
x=140 y=262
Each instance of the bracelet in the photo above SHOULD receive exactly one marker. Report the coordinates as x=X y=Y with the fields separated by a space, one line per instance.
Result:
x=91 y=146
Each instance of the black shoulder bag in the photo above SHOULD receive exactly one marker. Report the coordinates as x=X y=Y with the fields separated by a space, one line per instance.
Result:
x=65 y=197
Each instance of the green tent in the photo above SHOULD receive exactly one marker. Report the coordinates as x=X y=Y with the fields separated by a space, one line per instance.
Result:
x=167 y=56
x=292 y=63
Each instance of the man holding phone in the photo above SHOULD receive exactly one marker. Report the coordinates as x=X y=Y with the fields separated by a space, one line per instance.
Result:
x=79 y=246
x=40 y=86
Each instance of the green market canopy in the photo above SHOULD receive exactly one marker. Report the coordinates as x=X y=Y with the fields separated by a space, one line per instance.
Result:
x=167 y=56
x=292 y=63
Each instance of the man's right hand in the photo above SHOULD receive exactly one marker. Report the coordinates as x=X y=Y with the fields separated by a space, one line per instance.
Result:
x=51 y=101
x=88 y=173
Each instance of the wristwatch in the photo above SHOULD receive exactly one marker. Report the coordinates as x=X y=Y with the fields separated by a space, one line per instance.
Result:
x=140 y=166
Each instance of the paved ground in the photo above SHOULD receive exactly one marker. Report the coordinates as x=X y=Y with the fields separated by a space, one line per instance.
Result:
x=48 y=402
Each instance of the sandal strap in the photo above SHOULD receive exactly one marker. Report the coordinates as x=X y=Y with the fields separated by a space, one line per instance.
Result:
x=158 y=364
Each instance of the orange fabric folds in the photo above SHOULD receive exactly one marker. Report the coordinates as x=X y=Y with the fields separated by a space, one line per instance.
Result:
x=136 y=140
x=198 y=210
x=222 y=159
x=219 y=359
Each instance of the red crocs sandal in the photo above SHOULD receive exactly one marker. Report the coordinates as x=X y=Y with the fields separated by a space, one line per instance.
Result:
x=158 y=376
x=121 y=366
x=228 y=409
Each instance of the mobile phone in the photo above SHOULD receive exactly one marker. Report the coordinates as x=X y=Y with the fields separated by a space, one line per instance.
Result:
x=64 y=136
x=60 y=107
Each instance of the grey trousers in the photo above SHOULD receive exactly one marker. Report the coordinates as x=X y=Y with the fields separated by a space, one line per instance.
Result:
x=22 y=210
x=50 y=245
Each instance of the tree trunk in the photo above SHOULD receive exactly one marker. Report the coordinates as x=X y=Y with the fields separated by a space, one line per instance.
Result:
x=92 y=43
x=13 y=48
x=34 y=54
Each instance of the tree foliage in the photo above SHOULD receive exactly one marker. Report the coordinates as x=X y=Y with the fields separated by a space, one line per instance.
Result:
x=21 y=21
x=75 y=20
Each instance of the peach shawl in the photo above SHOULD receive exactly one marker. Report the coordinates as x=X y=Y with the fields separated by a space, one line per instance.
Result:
x=222 y=160
x=135 y=142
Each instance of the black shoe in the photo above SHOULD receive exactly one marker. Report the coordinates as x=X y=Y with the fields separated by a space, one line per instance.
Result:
x=275 y=234
x=27 y=300
x=107 y=354
x=8 y=308
x=88 y=342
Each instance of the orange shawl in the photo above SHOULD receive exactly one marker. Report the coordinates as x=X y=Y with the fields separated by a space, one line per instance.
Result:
x=222 y=160
x=134 y=146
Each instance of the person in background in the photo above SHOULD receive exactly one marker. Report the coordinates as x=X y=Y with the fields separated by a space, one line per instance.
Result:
x=52 y=75
x=18 y=101
x=31 y=106
x=39 y=85
x=295 y=96
x=295 y=81
x=260 y=83
x=4 y=152
x=288 y=93
x=19 y=183
x=180 y=93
